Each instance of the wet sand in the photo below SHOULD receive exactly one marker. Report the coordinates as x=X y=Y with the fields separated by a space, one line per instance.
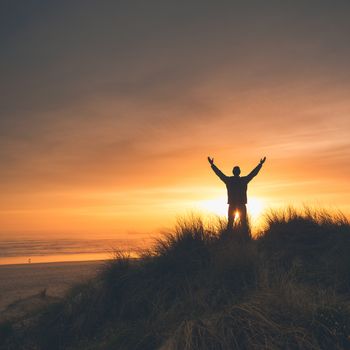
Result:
x=21 y=282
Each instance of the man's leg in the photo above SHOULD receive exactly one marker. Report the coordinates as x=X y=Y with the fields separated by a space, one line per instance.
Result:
x=244 y=228
x=230 y=217
x=243 y=215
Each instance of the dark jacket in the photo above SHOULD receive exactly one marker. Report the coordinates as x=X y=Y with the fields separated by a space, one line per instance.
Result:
x=236 y=185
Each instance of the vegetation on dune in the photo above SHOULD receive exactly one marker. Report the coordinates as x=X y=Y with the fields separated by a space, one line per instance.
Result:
x=202 y=288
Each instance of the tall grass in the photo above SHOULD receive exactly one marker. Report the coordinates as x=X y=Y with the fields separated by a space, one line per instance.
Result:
x=201 y=287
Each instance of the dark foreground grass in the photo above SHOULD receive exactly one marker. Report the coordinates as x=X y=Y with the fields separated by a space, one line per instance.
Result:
x=201 y=288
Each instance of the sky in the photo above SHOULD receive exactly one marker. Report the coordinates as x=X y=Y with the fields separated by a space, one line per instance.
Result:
x=108 y=110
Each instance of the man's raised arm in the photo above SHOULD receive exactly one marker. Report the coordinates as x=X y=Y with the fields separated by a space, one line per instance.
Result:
x=256 y=170
x=216 y=170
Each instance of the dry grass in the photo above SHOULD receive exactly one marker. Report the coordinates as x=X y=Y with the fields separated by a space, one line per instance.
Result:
x=200 y=287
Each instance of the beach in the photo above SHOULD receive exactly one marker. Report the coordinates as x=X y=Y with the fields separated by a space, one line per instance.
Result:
x=22 y=284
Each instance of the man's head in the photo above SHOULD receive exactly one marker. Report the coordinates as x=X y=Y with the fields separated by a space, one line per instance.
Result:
x=236 y=170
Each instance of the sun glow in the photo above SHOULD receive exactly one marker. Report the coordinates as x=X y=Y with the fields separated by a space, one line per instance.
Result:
x=218 y=206
x=255 y=207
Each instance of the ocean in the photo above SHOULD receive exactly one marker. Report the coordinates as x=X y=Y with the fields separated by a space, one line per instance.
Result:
x=29 y=251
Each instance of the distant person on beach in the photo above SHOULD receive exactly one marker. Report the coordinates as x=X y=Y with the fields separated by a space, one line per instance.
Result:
x=236 y=191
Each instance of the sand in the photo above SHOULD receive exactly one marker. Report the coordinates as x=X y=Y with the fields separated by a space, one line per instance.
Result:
x=22 y=285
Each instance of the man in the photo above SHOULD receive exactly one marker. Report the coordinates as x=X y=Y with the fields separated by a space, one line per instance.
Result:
x=236 y=190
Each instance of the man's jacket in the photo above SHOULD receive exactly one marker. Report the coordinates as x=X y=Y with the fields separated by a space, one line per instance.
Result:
x=236 y=185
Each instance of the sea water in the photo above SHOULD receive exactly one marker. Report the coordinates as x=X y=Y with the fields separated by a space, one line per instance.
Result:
x=29 y=251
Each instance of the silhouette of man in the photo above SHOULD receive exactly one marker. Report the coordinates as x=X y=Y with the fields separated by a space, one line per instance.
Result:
x=236 y=190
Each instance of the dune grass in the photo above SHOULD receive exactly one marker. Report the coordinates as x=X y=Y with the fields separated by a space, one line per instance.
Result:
x=200 y=287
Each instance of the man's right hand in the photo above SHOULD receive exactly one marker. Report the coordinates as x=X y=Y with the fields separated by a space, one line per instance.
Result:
x=211 y=160
x=262 y=160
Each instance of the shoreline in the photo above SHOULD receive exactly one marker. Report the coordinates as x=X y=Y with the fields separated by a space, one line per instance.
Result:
x=23 y=282
x=54 y=258
x=52 y=263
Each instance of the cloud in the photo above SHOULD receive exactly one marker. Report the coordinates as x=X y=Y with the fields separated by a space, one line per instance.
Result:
x=125 y=95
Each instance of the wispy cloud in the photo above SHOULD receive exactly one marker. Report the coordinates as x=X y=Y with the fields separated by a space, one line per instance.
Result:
x=124 y=96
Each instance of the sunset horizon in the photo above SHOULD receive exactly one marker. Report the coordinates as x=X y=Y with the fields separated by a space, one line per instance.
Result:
x=110 y=110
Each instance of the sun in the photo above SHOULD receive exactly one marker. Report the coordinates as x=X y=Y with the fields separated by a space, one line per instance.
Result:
x=218 y=206
x=255 y=207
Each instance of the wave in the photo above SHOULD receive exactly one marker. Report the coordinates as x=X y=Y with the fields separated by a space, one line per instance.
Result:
x=46 y=247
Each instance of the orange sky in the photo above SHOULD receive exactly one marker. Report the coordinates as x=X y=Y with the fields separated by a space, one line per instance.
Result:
x=109 y=112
